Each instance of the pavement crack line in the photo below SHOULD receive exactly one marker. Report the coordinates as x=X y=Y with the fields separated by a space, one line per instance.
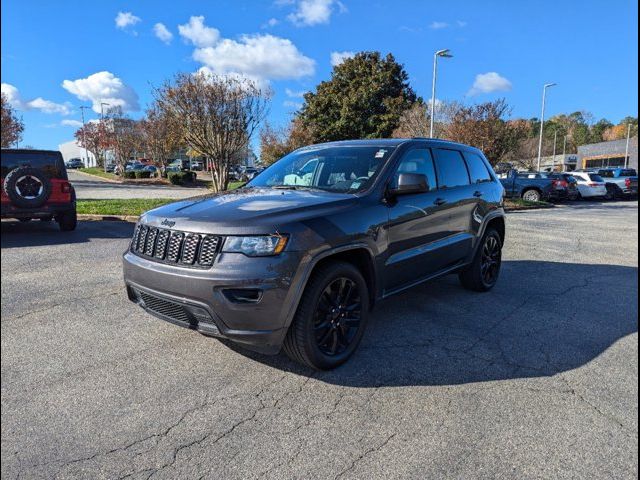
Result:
x=364 y=455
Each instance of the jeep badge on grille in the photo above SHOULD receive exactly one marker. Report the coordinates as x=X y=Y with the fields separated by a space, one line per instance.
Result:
x=168 y=223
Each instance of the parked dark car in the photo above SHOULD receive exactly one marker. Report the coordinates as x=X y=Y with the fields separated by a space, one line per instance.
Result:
x=298 y=257
x=75 y=163
x=35 y=185
x=533 y=186
x=565 y=181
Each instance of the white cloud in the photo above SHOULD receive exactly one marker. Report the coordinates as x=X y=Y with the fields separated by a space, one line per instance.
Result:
x=103 y=87
x=126 y=19
x=294 y=94
x=71 y=123
x=461 y=23
x=272 y=22
x=294 y=105
x=197 y=33
x=314 y=12
x=438 y=25
x=489 y=82
x=338 y=57
x=47 y=106
x=163 y=33
x=258 y=57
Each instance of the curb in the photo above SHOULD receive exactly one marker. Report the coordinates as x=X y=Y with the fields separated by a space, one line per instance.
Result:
x=108 y=218
x=522 y=209
x=104 y=179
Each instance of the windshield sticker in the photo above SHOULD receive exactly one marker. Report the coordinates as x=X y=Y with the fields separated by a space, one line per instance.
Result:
x=380 y=153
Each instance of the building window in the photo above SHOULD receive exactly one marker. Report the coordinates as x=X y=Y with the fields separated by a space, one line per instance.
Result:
x=601 y=162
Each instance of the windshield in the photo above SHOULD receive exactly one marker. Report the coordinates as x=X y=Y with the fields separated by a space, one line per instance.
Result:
x=595 y=178
x=347 y=169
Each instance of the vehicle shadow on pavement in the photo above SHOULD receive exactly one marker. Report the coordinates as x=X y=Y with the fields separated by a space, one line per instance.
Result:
x=37 y=233
x=541 y=319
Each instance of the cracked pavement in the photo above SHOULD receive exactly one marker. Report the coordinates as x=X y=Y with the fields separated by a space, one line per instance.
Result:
x=538 y=378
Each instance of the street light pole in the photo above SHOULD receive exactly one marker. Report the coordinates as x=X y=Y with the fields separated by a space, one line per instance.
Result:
x=440 y=53
x=84 y=143
x=626 y=150
x=544 y=99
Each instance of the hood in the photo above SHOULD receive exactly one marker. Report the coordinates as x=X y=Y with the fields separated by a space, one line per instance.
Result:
x=248 y=210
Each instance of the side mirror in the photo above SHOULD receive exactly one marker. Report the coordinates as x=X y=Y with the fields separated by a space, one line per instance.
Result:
x=406 y=183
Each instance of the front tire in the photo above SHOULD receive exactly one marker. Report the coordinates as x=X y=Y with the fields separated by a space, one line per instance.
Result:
x=331 y=317
x=482 y=275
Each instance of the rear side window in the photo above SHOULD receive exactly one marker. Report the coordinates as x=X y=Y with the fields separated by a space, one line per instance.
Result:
x=595 y=178
x=606 y=173
x=50 y=163
x=477 y=168
x=452 y=170
x=419 y=160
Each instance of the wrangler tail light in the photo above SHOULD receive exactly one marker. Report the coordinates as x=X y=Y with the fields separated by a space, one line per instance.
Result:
x=66 y=187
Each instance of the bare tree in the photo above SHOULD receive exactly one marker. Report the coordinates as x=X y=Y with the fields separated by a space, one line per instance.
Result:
x=275 y=143
x=12 y=126
x=94 y=137
x=161 y=135
x=414 y=122
x=217 y=116
x=124 y=134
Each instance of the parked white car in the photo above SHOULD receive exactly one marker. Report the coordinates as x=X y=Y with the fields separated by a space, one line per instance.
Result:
x=590 y=185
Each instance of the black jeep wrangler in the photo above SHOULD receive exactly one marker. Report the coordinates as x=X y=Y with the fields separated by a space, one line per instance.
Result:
x=35 y=185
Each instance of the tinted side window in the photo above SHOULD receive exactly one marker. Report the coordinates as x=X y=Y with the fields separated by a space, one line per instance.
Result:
x=477 y=168
x=50 y=163
x=452 y=171
x=419 y=160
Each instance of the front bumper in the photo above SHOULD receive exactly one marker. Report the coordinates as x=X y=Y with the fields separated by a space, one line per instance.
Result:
x=200 y=299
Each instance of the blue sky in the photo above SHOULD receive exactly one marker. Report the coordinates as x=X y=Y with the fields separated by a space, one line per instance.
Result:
x=57 y=56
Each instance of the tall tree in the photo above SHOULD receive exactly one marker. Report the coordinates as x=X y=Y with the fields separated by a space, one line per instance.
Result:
x=485 y=126
x=276 y=143
x=124 y=136
x=12 y=127
x=365 y=98
x=93 y=136
x=217 y=116
x=161 y=135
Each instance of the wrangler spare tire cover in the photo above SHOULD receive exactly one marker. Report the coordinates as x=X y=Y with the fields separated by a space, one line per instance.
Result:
x=27 y=187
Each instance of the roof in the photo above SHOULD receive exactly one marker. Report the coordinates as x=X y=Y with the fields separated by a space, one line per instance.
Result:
x=28 y=150
x=390 y=142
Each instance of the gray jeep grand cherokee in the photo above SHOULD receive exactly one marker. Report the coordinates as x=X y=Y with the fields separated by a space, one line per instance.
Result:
x=297 y=258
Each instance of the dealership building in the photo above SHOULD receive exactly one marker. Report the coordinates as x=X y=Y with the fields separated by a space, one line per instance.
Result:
x=608 y=154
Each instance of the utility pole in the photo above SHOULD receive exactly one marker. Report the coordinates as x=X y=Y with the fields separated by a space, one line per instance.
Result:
x=102 y=105
x=544 y=99
x=626 y=150
x=555 y=141
x=444 y=54
x=84 y=143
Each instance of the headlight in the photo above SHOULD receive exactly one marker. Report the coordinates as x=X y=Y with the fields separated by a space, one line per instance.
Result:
x=258 y=246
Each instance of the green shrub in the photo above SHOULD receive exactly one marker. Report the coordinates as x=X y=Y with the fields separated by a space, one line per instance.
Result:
x=181 y=178
x=143 y=174
x=129 y=175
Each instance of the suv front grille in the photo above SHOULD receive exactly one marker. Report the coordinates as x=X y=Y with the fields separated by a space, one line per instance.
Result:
x=170 y=246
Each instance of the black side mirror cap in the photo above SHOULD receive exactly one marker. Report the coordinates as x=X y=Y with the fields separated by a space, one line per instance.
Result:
x=406 y=183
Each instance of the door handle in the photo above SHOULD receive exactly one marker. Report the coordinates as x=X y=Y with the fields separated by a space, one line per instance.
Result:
x=440 y=201
x=477 y=193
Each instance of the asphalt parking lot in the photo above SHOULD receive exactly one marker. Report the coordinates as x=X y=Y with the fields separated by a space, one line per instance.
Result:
x=537 y=379
x=92 y=187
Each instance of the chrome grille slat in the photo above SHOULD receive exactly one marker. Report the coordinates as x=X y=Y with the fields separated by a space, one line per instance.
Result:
x=171 y=246
x=161 y=244
x=208 y=249
x=150 y=242
x=190 y=248
x=175 y=245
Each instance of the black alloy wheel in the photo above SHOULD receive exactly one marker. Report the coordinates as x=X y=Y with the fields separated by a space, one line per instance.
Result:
x=337 y=316
x=491 y=260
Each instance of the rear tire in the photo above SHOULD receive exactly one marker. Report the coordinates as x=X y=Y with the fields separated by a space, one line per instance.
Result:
x=483 y=273
x=531 y=195
x=319 y=326
x=67 y=221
